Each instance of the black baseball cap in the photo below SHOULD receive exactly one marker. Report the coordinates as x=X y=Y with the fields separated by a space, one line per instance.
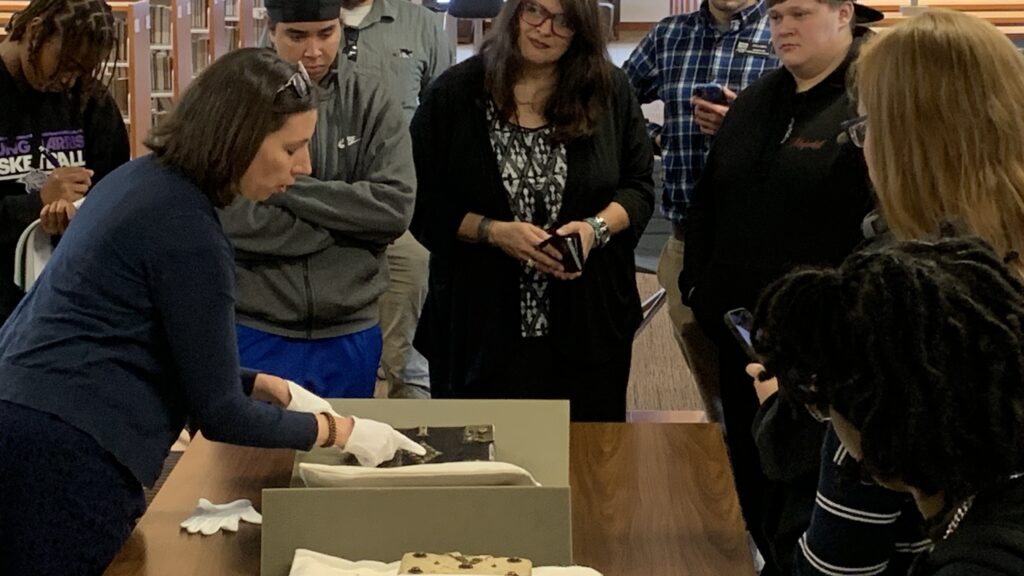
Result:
x=866 y=14
x=303 y=10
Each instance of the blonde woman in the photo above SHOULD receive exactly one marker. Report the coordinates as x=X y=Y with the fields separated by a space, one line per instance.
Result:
x=941 y=104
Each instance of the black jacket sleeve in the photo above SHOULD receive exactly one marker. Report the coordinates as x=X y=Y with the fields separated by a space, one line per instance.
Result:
x=636 y=184
x=437 y=215
x=700 y=221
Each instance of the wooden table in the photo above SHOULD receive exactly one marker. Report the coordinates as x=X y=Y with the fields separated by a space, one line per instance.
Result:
x=647 y=499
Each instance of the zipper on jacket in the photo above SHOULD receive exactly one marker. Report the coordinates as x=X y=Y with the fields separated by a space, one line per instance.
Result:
x=309 y=298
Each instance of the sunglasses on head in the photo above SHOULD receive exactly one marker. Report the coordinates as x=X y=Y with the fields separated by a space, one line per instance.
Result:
x=299 y=82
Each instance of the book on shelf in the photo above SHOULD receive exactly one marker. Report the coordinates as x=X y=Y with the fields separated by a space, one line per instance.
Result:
x=161 y=108
x=162 y=78
x=115 y=75
x=160 y=25
x=198 y=8
x=200 y=54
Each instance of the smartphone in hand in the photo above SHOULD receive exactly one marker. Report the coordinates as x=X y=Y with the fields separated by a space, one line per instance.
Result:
x=740 y=323
x=712 y=92
x=570 y=247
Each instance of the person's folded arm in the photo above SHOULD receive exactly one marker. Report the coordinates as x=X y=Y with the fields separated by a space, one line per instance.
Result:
x=196 y=314
x=257 y=229
x=378 y=204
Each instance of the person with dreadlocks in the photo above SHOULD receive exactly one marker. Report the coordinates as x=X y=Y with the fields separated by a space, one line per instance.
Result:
x=60 y=130
x=915 y=352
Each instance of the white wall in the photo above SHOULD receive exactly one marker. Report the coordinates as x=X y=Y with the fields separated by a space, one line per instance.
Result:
x=644 y=10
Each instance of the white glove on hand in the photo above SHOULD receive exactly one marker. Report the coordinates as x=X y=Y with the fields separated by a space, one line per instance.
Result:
x=305 y=401
x=374 y=442
x=210 y=518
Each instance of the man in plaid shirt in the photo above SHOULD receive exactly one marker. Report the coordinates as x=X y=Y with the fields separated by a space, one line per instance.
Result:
x=726 y=42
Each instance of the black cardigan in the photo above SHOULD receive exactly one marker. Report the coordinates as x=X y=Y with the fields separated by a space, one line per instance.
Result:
x=473 y=302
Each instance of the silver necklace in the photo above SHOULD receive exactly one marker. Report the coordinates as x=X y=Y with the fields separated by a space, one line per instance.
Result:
x=964 y=507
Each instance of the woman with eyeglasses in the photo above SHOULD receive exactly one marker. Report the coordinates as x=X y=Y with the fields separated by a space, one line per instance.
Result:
x=60 y=130
x=945 y=152
x=915 y=352
x=130 y=330
x=522 y=152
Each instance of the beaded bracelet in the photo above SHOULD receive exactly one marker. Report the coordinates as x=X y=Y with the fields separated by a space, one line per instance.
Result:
x=332 y=431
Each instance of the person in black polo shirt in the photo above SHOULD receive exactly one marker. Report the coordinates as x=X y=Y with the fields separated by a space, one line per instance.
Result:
x=778 y=191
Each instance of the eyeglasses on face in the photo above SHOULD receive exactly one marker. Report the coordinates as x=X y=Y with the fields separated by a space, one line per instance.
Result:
x=299 y=82
x=855 y=130
x=536 y=15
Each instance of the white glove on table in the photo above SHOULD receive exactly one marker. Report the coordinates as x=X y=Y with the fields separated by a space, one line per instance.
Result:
x=305 y=401
x=374 y=442
x=210 y=518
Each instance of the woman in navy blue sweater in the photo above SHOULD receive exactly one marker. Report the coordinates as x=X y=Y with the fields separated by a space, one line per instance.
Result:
x=130 y=330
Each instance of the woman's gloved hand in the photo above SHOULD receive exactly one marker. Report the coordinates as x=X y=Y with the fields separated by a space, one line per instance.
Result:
x=373 y=442
x=305 y=401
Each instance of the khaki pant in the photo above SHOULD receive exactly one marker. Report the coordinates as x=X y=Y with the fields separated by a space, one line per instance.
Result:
x=405 y=369
x=698 y=350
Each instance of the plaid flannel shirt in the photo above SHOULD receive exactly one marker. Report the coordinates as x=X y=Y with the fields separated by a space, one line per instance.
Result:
x=679 y=53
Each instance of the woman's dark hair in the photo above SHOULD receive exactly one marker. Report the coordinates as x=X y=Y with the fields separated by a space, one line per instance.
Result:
x=214 y=132
x=584 y=73
x=920 y=346
x=86 y=30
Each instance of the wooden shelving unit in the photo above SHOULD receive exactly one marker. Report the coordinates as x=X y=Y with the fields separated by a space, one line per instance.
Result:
x=218 y=28
x=133 y=61
x=239 y=19
x=259 y=23
x=177 y=29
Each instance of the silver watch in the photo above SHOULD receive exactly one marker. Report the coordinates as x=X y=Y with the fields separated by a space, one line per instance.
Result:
x=601 y=232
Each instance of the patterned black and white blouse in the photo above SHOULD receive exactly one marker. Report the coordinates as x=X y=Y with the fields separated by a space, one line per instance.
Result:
x=534 y=172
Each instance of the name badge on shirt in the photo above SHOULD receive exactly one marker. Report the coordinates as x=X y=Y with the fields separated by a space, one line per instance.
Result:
x=754 y=48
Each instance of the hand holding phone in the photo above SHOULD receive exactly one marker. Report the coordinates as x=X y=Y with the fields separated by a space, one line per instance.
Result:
x=740 y=323
x=712 y=92
x=569 y=247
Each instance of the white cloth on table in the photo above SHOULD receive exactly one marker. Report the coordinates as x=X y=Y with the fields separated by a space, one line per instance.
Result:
x=309 y=563
x=416 y=475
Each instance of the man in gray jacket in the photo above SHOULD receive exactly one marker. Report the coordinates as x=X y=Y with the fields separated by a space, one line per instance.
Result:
x=311 y=261
x=405 y=44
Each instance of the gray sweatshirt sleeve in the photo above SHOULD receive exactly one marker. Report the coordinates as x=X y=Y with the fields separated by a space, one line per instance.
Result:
x=376 y=206
x=257 y=229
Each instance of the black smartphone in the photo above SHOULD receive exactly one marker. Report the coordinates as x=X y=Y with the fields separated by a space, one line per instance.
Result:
x=741 y=322
x=710 y=91
x=570 y=247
